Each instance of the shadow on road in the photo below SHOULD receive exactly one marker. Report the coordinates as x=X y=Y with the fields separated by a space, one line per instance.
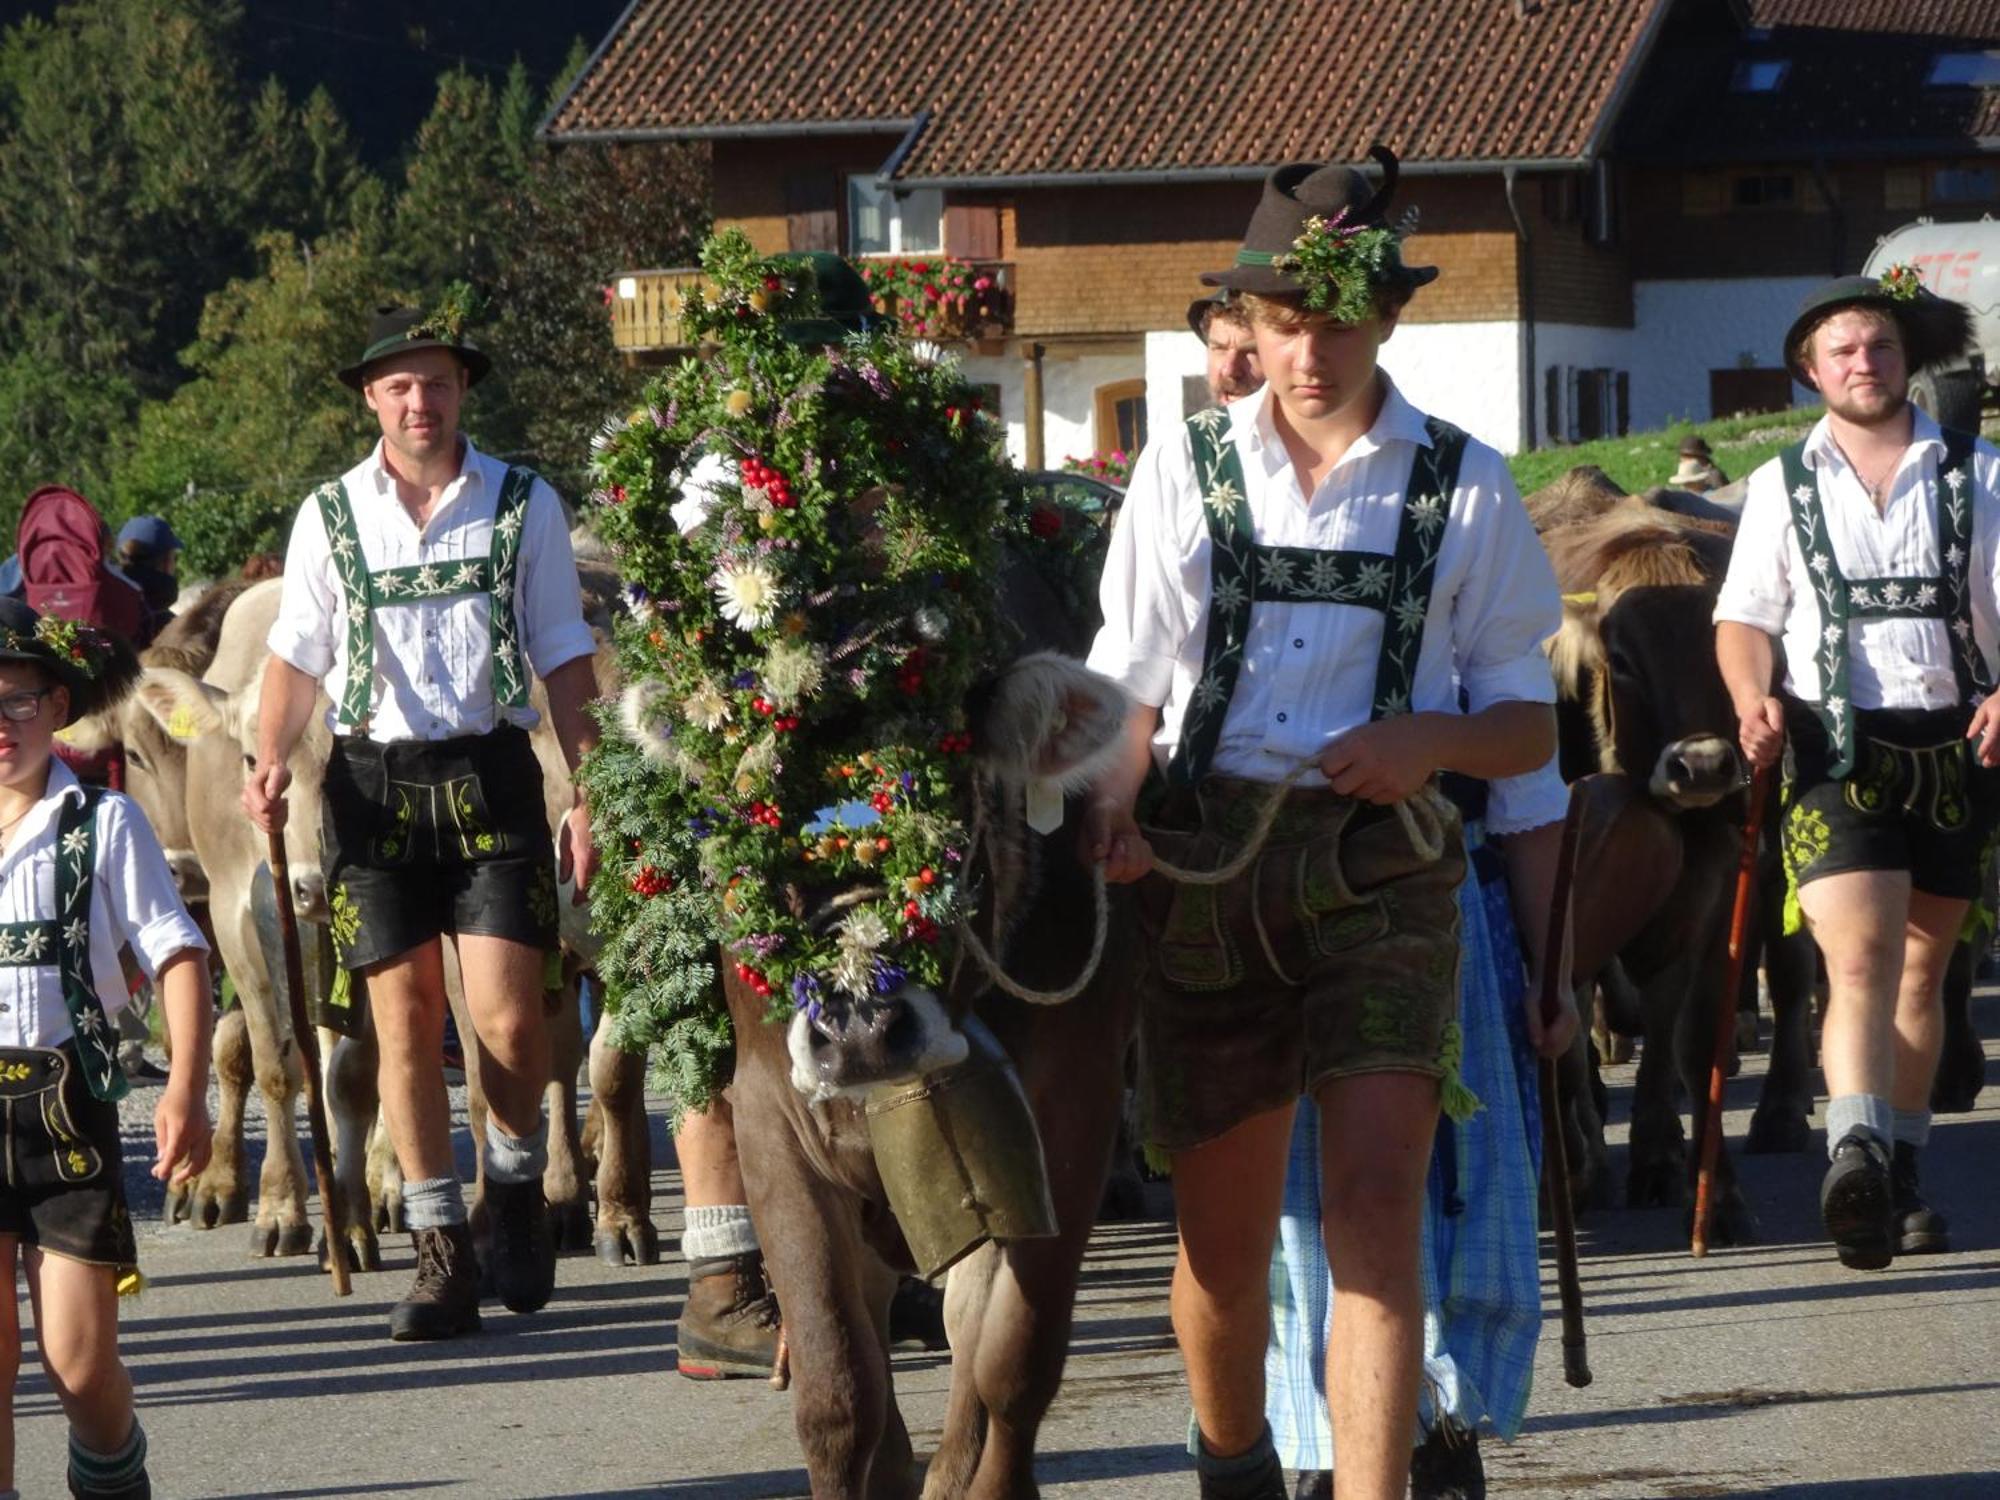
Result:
x=1930 y=1486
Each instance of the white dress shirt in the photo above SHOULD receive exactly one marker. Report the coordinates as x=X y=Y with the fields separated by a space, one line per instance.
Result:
x=1891 y=663
x=132 y=901
x=433 y=657
x=1309 y=669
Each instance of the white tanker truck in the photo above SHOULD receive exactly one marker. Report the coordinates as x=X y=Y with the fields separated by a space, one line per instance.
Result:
x=1962 y=262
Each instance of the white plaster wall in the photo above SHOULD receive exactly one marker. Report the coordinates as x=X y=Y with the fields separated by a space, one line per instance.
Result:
x=1171 y=356
x=1687 y=328
x=1467 y=373
x=1005 y=371
x=1069 y=400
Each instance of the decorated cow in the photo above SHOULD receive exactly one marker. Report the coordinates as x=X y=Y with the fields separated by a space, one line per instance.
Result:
x=840 y=762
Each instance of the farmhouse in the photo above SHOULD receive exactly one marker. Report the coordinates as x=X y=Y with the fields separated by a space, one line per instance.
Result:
x=1626 y=197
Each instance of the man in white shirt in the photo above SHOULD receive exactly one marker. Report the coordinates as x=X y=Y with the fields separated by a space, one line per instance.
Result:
x=421 y=589
x=1304 y=580
x=1231 y=368
x=1868 y=551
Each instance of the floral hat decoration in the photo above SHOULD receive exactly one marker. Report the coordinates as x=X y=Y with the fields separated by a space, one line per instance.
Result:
x=810 y=532
x=96 y=666
x=1323 y=232
x=1936 y=330
x=401 y=329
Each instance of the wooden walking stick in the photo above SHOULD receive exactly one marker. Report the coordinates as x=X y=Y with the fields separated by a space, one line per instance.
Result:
x=1555 y=1158
x=1725 y=1009
x=308 y=1040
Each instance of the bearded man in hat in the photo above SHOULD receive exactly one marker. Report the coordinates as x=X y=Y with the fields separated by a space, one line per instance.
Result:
x=1230 y=348
x=1869 y=551
x=1300 y=588
x=422 y=588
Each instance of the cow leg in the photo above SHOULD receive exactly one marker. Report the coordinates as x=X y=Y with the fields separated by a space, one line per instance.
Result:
x=1962 y=1064
x=385 y=1179
x=215 y=1196
x=563 y=1179
x=281 y=1226
x=1657 y=1169
x=352 y=1102
x=815 y=1256
x=1783 y=1121
x=1582 y=1119
x=624 y=1154
x=968 y=1289
x=1730 y=1219
x=475 y=1104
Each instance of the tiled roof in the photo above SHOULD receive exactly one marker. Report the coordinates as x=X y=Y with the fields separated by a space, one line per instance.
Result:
x=1849 y=90
x=1964 y=20
x=1019 y=88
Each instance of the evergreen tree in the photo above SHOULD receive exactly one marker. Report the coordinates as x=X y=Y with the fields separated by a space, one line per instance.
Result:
x=517 y=115
x=444 y=217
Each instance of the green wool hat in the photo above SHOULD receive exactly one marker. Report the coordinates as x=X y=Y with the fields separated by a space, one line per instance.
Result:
x=1935 y=329
x=402 y=330
x=845 y=306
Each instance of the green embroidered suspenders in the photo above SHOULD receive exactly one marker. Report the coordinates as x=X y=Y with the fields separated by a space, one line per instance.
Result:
x=1242 y=572
x=1946 y=596
x=65 y=942
x=364 y=592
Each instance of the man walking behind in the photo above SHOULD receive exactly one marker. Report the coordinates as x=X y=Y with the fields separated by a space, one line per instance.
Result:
x=421 y=588
x=1869 y=552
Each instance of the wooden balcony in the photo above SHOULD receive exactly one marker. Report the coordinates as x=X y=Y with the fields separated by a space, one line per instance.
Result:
x=646 y=312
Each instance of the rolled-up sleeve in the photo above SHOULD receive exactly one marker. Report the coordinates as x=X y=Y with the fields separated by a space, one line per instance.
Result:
x=1141 y=590
x=1517 y=804
x=302 y=634
x=547 y=593
x=1757 y=590
x=145 y=908
x=1508 y=604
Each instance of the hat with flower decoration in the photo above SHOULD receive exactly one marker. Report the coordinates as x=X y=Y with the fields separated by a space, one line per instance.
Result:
x=1323 y=232
x=1935 y=329
x=403 y=330
x=96 y=666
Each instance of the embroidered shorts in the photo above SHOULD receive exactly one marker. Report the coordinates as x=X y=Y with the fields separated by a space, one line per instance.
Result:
x=1917 y=800
x=1335 y=953
x=421 y=838
x=64 y=1189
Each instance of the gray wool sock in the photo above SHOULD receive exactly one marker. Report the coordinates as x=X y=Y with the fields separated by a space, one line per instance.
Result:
x=92 y=1472
x=516 y=1159
x=434 y=1203
x=1240 y=1473
x=1864 y=1114
x=1913 y=1127
x=718 y=1232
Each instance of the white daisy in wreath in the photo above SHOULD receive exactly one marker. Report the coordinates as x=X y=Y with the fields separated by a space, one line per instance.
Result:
x=747 y=593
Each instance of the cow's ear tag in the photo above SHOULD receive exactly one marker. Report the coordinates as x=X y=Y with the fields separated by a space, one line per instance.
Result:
x=1045 y=804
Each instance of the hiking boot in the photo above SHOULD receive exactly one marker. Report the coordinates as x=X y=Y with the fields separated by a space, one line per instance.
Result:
x=140 y=1488
x=1314 y=1484
x=1920 y=1229
x=1856 y=1204
x=1446 y=1465
x=729 y=1323
x=916 y=1315
x=445 y=1300
x=1265 y=1482
x=524 y=1251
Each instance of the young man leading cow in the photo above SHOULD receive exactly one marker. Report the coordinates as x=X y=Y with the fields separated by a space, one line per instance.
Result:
x=422 y=588
x=1304 y=583
x=1869 y=552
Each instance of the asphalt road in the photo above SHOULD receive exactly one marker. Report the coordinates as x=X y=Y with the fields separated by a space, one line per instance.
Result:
x=1765 y=1371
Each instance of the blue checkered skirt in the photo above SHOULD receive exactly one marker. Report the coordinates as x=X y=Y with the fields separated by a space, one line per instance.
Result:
x=1480 y=1273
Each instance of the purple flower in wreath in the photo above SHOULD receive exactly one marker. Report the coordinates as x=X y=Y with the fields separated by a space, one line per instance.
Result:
x=743 y=681
x=909 y=782
x=806 y=994
x=888 y=977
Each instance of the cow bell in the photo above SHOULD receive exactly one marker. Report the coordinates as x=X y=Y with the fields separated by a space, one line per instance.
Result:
x=960 y=1157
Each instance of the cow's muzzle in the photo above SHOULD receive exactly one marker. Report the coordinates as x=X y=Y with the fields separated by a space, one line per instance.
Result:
x=853 y=1048
x=309 y=896
x=190 y=879
x=1698 y=771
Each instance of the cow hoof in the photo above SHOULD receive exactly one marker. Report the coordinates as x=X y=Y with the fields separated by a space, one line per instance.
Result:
x=1731 y=1224
x=175 y=1207
x=362 y=1251
x=263 y=1241
x=1778 y=1132
x=389 y=1216
x=629 y=1244
x=571 y=1225
x=232 y=1208
x=1124 y=1198
x=295 y=1239
x=1657 y=1186
x=205 y=1210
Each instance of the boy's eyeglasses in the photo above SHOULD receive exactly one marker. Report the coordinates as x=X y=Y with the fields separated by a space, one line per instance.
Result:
x=20 y=707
